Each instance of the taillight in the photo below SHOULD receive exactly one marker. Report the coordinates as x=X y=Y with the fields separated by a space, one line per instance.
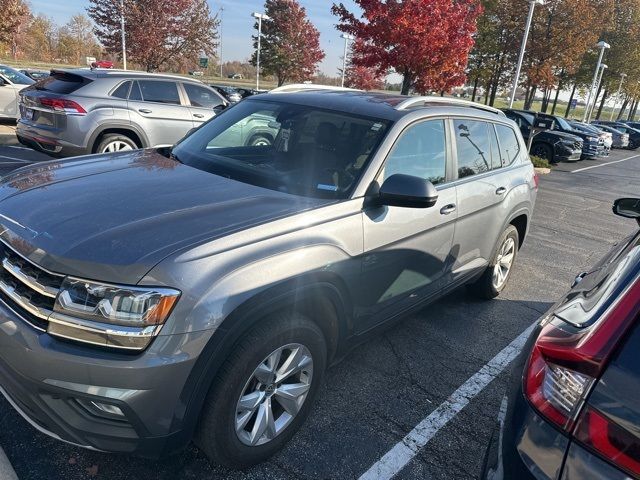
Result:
x=536 y=180
x=609 y=439
x=564 y=364
x=63 y=105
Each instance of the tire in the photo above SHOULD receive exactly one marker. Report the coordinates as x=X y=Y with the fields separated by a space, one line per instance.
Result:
x=632 y=145
x=216 y=432
x=115 y=142
x=260 y=140
x=542 y=150
x=486 y=286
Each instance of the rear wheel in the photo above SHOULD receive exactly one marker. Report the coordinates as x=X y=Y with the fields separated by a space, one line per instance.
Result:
x=632 y=145
x=115 y=142
x=495 y=277
x=260 y=140
x=264 y=391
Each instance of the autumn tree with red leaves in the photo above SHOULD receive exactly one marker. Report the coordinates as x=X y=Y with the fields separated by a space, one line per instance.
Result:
x=425 y=41
x=363 y=78
x=290 y=47
x=159 y=33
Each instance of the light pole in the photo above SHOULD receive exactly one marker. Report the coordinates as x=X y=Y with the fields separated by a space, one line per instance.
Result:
x=260 y=17
x=124 y=44
x=221 y=13
x=603 y=67
x=615 y=103
x=347 y=39
x=523 y=48
x=602 y=45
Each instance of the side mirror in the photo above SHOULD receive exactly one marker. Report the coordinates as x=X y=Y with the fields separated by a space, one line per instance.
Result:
x=2 y=82
x=627 y=208
x=220 y=108
x=407 y=191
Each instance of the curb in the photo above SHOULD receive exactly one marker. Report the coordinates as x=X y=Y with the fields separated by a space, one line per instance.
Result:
x=6 y=470
x=543 y=171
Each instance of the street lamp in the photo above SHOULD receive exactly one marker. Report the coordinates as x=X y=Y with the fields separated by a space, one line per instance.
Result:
x=602 y=45
x=347 y=39
x=221 y=13
x=260 y=17
x=124 y=46
x=603 y=67
x=523 y=47
x=615 y=103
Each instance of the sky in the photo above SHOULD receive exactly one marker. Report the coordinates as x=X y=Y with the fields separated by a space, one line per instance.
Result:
x=237 y=25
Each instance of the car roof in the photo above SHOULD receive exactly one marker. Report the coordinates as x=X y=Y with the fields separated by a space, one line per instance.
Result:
x=385 y=106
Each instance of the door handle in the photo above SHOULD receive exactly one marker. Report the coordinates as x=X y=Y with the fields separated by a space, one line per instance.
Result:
x=448 y=209
x=198 y=115
x=501 y=191
x=144 y=110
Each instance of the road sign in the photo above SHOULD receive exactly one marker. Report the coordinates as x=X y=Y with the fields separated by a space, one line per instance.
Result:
x=574 y=103
x=203 y=62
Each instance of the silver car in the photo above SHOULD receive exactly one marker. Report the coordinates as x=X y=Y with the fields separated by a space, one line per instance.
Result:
x=84 y=111
x=11 y=83
x=152 y=296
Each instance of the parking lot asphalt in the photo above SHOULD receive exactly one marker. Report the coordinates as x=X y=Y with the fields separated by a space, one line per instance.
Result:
x=402 y=378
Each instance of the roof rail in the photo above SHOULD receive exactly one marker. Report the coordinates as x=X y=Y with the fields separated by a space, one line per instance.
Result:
x=301 y=87
x=423 y=101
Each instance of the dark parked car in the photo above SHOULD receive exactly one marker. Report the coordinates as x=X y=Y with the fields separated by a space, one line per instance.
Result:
x=634 y=134
x=592 y=144
x=151 y=295
x=574 y=401
x=230 y=94
x=550 y=145
x=605 y=138
x=632 y=124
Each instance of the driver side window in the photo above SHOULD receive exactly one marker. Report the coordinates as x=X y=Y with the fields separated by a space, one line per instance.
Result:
x=421 y=152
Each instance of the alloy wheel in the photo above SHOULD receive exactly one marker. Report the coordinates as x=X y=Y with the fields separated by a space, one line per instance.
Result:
x=504 y=263
x=116 y=146
x=274 y=394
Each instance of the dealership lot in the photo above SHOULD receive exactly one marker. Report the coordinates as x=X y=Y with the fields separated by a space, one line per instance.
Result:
x=382 y=390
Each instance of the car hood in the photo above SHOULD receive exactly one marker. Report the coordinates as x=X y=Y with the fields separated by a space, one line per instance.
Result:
x=114 y=217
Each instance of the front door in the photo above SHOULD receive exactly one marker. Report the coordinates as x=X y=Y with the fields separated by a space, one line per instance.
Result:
x=202 y=100
x=406 y=250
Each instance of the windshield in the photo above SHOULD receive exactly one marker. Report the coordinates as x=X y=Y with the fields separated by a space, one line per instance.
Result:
x=290 y=148
x=15 y=76
x=564 y=125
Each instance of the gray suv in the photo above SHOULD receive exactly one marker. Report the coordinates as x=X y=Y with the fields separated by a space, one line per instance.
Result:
x=83 y=111
x=152 y=296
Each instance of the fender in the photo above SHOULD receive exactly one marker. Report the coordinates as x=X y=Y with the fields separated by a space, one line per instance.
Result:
x=119 y=125
x=303 y=291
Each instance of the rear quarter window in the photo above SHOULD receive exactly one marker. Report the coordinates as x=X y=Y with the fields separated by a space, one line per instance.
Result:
x=61 y=82
x=509 y=144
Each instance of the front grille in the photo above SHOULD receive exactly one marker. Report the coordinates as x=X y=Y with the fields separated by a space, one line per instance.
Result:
x=28 y=289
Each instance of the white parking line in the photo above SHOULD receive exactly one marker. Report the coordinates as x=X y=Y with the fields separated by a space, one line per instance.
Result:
x=604 y=164
x=402 y=453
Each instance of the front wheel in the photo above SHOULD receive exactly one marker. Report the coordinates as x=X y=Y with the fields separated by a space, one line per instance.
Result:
x=264 y=391
x=543 y=151
x=495 y=277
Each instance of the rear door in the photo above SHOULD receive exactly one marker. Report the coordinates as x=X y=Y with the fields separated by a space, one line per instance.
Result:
x=202 y=102
x=486 y=180
x=156 y=106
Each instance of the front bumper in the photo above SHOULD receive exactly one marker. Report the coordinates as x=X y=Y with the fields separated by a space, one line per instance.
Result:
x=52 y=384
x=567 y=153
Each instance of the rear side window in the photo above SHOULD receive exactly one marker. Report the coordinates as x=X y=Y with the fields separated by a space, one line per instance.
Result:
x=473 y=142
x=420 y=151
x=509 y=145
x=159 y=91
x=202 y=97
x=62 y=82
x=122 y=91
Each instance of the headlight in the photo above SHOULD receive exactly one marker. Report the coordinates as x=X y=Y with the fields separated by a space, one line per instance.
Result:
x=110 y=315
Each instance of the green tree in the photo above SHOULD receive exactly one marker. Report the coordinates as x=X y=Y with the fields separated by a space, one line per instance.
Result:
x=290 y=45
